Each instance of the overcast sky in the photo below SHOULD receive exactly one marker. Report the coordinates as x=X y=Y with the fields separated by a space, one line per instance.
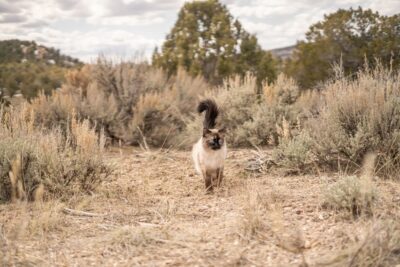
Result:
x=85 y=28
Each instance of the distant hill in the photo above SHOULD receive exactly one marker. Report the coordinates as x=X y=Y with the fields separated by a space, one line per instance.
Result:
x=27 y=68
x=283 y=52
x=17 y=51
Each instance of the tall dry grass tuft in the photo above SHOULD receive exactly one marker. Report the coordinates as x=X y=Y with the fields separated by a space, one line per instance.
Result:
x=253 y=225
x=377 y=245
x=37 y=163
x=263 y=220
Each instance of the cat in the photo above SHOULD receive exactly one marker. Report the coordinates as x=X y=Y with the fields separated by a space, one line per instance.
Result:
x=210 y=151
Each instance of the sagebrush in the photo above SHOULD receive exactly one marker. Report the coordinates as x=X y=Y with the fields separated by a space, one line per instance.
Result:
x=129 y=101
x=37 y=163
x=359 y=116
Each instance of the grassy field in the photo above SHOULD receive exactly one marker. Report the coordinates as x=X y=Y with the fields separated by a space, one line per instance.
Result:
x=154 y=212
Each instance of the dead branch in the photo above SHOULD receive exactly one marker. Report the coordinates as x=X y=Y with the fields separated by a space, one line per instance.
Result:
x=81 y=213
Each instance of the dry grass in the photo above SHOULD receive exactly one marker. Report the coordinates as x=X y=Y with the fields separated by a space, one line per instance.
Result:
x=131 y=237
x=154 y=211
x=378 y=245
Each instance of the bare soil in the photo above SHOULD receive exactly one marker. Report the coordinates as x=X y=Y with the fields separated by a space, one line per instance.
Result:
x=155 y=212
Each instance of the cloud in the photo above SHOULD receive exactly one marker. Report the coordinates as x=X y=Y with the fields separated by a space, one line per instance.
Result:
x=85 y=28
x=388 y=7
x=88 y=45
x=6 y=7
x=127 y=20
x=129 y=8
x=68 y=4
x=35 y=24
x=12 y=18
x=279 y=23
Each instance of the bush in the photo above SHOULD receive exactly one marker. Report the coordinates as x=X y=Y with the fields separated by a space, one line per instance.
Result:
x=240 y=112
x=350 y=193
x=37 y=162
x=126 y=99
x=104 y=93
x=294 y=155
x=251 y=119
x=161 y=116
x=288 y=107
x=358 y=116
x=137 y=103
x=346 y=120
x=243 y=114
x=284 y=91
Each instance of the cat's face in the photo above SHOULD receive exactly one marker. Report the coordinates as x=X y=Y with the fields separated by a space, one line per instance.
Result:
x=213 y=138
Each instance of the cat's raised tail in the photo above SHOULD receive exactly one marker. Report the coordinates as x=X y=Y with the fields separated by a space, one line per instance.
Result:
x=212 y=111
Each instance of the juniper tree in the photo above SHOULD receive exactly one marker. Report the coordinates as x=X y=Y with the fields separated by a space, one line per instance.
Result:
x=206 y=40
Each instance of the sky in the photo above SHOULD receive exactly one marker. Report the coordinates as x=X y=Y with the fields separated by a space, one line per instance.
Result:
x=128 y=28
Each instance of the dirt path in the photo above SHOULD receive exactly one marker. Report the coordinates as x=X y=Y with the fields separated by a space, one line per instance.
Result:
x=154 y=212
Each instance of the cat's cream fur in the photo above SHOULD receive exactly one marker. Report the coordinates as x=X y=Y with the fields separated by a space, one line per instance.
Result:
x=210 y=151
x=207 y=159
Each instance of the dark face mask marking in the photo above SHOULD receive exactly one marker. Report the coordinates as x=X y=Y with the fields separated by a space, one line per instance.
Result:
x=215 y=143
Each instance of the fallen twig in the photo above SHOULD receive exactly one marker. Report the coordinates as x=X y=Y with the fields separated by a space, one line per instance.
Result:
x=144 y=224
x=81 y=213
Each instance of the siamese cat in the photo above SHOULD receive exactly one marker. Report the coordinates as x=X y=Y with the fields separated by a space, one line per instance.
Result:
x=210 y=151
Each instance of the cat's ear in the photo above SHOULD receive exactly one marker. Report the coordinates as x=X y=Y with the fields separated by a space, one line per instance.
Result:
x=222 y=130
x=206 y=132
